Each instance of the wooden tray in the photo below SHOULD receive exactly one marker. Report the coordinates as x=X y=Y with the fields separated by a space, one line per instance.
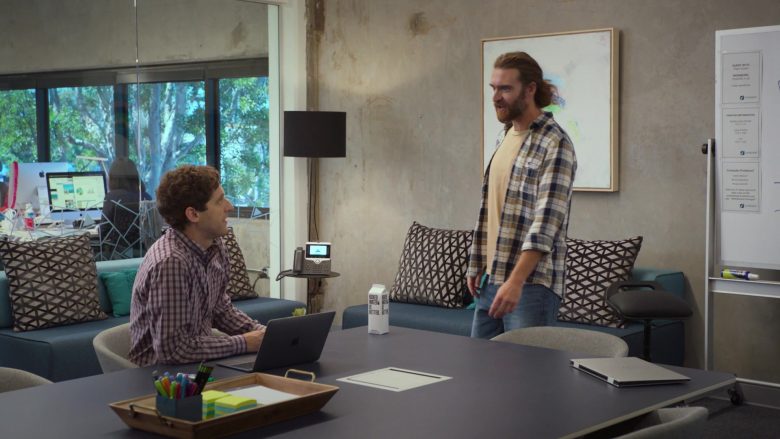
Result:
x=141 y=413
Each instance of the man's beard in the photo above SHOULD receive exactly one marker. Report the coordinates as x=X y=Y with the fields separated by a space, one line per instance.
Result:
x=513 y=111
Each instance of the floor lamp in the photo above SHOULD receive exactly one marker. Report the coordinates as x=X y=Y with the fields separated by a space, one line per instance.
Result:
x=314 y=134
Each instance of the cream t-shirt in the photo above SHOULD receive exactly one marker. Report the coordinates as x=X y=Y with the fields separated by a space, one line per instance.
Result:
x=498 y=182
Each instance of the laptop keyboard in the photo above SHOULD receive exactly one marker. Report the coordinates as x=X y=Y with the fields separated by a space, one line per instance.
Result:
x=249 y=365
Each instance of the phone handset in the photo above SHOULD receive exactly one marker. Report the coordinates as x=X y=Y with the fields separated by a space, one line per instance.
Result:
x=298 y=260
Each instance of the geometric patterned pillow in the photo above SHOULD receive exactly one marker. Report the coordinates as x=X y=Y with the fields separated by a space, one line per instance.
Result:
x=432 y=269
x=238 y=287
x=591 y=267
x=52 y=282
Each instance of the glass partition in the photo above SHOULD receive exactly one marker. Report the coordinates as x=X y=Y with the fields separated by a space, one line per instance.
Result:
x=160 y=83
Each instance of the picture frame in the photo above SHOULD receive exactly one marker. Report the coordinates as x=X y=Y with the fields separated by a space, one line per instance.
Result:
x=583 y=65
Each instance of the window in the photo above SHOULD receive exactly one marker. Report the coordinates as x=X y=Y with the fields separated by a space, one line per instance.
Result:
x=81 y=126
x=172 y=128
x=243 y=138
x=213 y=113
x=17 y=128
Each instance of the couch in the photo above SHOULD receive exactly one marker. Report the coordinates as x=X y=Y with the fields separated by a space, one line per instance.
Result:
x=667 y=342
x=66 y=352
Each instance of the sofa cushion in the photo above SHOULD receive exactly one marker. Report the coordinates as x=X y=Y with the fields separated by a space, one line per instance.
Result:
x=60 y=353
x=432 y=269
x=52 y=282
x=119 y=287
x=591 y=267
x=239 y=287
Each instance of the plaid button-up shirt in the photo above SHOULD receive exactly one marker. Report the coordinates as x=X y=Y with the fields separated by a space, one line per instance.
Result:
x=178 y=296
x=536 y=208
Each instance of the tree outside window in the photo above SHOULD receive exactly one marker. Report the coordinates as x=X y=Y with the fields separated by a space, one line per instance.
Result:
x=81 y=126
x=17 y=128
x=169 y=117
x=244 y=152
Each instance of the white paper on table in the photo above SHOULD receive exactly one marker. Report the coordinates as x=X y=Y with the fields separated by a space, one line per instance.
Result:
x=394 y=379
x=262 y=394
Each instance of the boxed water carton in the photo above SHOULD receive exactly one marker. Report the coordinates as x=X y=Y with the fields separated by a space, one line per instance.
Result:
x=378 y=310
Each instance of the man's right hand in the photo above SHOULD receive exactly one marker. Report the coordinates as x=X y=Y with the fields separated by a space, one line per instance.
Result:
x=471 y=282
x=253 y=340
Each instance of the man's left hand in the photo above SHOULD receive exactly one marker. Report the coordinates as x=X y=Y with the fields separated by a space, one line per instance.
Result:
x=506 y=300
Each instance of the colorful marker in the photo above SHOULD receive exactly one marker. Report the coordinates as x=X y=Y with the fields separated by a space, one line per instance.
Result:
x=728 y=273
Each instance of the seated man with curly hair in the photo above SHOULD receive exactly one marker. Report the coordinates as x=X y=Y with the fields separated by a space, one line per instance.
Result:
x=180 y=292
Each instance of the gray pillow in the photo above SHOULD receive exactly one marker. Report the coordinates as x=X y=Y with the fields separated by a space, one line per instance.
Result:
x=52 y=282
x=432 y=269
x=591 y=267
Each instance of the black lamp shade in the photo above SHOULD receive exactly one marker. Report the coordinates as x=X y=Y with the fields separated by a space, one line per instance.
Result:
x=315 y=134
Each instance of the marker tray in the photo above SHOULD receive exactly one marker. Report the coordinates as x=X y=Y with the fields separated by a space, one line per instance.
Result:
x=141 y=412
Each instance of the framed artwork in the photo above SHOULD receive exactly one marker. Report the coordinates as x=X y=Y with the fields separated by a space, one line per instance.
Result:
x=583 y=66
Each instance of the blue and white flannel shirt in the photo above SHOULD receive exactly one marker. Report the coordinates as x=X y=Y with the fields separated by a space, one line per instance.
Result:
x=536 y=208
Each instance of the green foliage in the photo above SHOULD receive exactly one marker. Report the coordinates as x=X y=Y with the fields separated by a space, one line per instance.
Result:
x=17 y=127
x=170 y=119
x=81 y=121
x=244 y=139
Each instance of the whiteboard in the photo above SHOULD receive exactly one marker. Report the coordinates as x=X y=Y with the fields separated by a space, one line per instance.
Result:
x=747 y=132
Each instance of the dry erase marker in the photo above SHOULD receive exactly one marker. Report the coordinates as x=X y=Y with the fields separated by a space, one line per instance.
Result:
x=727 y=273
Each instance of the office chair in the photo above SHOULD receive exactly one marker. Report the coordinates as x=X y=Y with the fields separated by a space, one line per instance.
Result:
x=112 y=347
x=151 y=223
x=120 y=232
x=646 y=301
x=567 y=339
x=15 y=379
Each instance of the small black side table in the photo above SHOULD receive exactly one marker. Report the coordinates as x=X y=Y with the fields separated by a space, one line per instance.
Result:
x=290 y=273
x=633 y=301
x=313 y=298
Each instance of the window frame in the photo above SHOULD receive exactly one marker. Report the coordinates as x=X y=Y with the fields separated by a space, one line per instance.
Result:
x=119 y=78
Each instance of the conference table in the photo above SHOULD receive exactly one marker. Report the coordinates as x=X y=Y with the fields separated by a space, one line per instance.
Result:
x=496 y=390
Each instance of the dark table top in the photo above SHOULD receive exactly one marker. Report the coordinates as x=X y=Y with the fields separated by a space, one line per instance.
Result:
x=497 y=389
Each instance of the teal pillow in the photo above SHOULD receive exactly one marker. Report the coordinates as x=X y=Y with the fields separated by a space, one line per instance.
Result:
x=119 y=286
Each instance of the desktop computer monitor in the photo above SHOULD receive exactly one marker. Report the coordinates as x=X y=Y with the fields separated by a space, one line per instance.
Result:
x=27 y=183
x=72 y=195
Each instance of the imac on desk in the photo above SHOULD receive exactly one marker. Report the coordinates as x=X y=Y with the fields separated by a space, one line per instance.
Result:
x=27 y=183
x=74 y=195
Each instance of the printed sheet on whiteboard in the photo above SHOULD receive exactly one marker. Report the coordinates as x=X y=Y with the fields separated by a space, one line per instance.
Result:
x=394 y=379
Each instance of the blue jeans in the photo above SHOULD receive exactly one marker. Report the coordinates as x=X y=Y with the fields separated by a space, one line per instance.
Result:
x=538 y=307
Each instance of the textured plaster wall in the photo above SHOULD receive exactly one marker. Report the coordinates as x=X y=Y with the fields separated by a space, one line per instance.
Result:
x=46 y=35
x=408 y=74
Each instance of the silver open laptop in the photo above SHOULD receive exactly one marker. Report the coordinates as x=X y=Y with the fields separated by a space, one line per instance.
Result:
x=628 y=371
x=287 y=341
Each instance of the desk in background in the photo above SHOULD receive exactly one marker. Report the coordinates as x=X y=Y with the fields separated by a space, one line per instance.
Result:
x=497 y=390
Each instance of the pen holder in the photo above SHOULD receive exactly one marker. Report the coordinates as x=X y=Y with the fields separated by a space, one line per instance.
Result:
x=190 y=408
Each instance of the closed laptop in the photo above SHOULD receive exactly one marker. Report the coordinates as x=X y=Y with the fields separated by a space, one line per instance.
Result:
x=628 y=371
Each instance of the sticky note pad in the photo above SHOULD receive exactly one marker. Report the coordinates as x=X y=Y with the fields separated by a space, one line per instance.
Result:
x=232 y=404
x=209 y=399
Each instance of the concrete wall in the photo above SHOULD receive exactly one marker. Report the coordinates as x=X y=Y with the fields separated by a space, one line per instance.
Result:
x=408 y=73
x=46 y=35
